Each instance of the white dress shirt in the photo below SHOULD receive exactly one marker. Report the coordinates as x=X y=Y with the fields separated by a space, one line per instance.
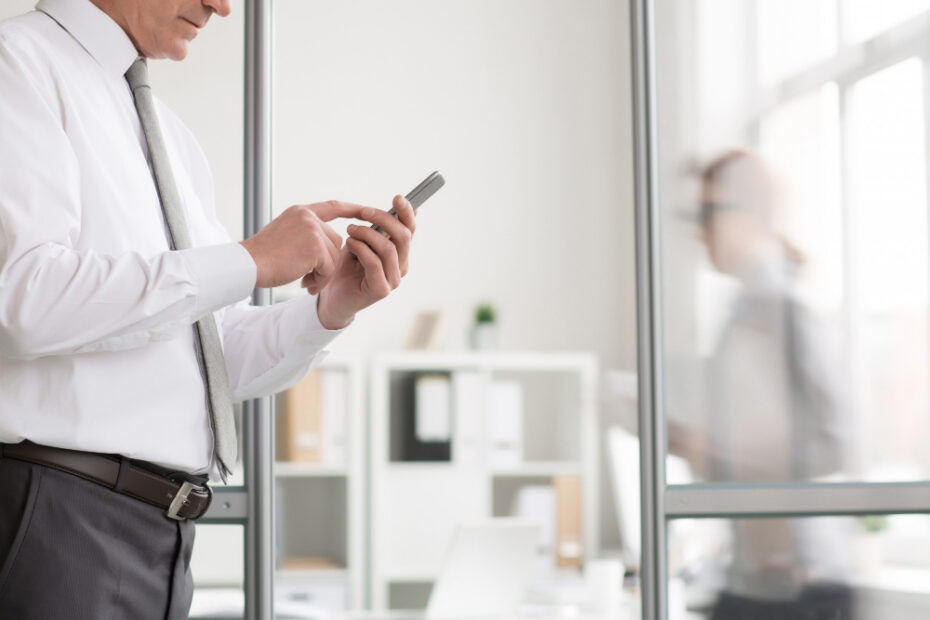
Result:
x=96 y=345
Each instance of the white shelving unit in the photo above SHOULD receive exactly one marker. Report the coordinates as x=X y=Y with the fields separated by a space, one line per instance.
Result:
x=320 y=507
x=416 y=504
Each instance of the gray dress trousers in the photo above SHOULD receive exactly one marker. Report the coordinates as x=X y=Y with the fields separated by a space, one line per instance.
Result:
x=75 y=550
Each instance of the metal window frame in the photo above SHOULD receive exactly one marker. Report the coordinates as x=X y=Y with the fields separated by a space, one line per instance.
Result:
x=660 y=502
x=252 y=505
x=795 y=500
x=648 y=307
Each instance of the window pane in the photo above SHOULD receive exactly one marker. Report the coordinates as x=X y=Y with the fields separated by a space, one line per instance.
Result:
x=888 y=187
x=890 y=315
x=812 y=24
x=866 y=18
x=820 y=567
x=801 y=140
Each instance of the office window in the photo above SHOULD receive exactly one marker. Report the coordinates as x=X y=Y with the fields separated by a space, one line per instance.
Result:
x=887 y=181
x=801 y=139
x=866 y=18
x=813 y=36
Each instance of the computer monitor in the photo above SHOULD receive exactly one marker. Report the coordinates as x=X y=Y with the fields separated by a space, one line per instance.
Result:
x=486 y=570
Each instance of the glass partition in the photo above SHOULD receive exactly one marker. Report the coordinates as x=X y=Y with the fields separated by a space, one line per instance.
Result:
x=795 y=213
x=789 y=205
x=856 y=567
x=523 y=106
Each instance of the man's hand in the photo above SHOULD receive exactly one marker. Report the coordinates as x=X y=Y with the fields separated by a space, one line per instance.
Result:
x=370 y=265
x=299 y=243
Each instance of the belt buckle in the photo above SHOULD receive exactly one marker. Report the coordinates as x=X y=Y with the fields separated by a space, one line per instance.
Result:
x=180 y=499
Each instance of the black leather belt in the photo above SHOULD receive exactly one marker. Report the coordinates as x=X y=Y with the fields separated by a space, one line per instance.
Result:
x=181 y=499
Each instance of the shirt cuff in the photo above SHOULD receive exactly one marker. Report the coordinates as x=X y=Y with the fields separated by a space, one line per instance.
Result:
x=223 y=274
x=301 y=324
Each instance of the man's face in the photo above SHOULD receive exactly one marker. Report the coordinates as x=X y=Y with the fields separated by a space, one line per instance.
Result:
x=163 y=28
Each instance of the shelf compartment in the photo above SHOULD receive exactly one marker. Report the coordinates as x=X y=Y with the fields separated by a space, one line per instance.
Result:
x=551 y=418
x=311 y=515
x=409 y=595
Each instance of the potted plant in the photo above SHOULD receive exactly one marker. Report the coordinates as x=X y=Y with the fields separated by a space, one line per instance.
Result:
x=484 y=330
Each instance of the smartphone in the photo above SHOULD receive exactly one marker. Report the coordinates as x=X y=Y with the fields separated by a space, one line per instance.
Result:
x=418 y=195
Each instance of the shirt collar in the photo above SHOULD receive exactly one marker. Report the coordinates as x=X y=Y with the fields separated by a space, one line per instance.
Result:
x=97 y=33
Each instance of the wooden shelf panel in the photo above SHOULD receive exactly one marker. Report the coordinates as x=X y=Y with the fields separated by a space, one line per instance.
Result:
x=540 y=468
x=288 y=469
x=301 y=574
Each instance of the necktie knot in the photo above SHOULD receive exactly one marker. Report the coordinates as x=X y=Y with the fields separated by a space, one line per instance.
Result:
x=138 y=74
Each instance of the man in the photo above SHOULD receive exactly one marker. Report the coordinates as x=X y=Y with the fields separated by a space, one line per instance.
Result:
x=117 y=288
x=770 y=370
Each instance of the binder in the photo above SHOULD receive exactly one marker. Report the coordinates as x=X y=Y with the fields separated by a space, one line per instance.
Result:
x=470 y=399
x=505 y=424
x=433 y=409
x=334 y=405
x=428 y=425
x=299 y=436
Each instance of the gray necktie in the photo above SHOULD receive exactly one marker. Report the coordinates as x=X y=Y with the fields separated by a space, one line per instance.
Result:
x=206 y=335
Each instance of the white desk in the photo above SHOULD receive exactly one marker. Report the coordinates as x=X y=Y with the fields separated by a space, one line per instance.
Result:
x=228 y=603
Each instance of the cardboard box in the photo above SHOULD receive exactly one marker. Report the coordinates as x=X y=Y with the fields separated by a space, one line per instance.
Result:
x=569 y=550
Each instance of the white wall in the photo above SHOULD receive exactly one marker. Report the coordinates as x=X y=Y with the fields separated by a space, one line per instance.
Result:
x=525 y=107
x=11 y=8
x=207 y=91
